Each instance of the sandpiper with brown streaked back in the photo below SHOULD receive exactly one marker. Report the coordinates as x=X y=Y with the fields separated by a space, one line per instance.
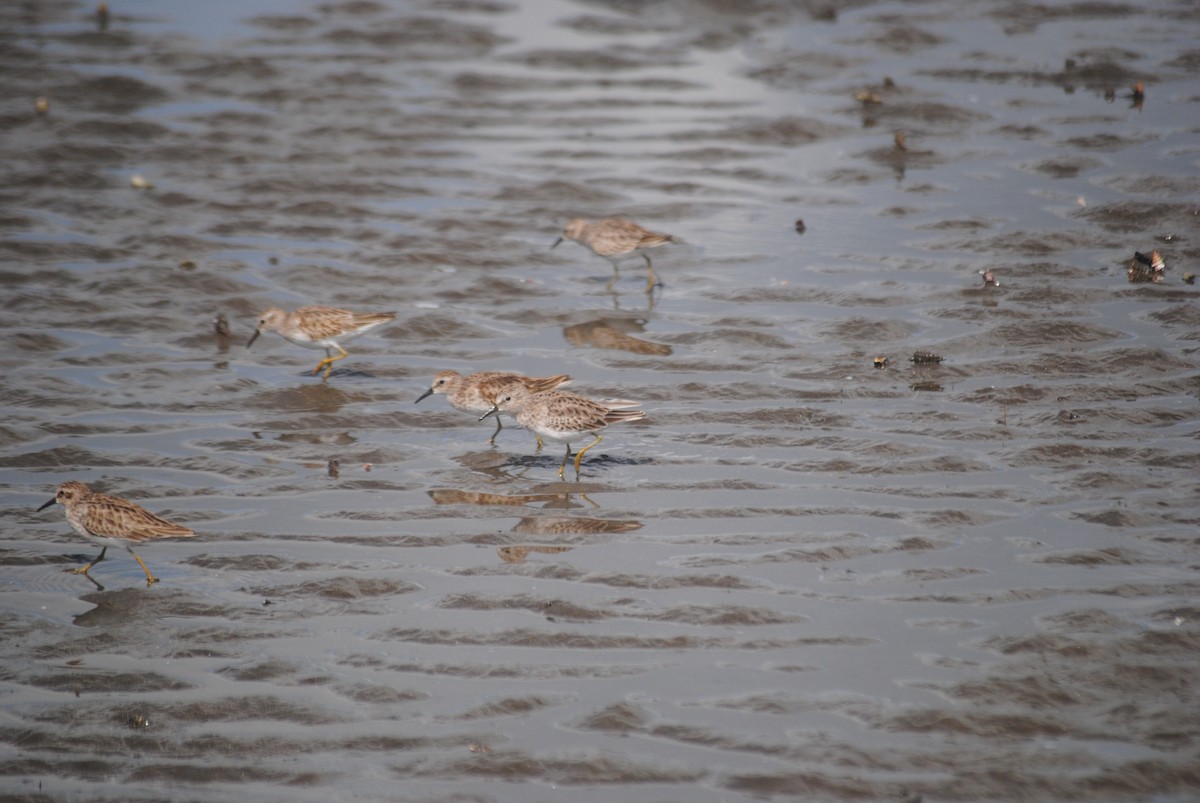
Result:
x=557 y=415
x=112 y=521
x=615 y=239
x=319 y=328
x=476 y=393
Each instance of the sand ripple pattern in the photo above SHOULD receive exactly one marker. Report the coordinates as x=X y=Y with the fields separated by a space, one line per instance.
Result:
x=802 y=577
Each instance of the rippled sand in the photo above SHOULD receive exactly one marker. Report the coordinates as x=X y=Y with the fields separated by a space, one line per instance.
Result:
x=801 y=577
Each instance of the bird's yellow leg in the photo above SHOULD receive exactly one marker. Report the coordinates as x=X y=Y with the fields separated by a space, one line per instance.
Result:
x=566 y=457
x=613 y=280
x=492 y=440
x=650 y=281
x=328 y=362
x=579 y=454
x=320 y=365
x=150 y=579
x=85 y=569
x=539 y=440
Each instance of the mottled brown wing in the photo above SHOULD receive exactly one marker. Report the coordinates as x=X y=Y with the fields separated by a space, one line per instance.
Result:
x=617 y=416
x=649 y=239
x=619 y=404
x=362 y=319
x=117 y=517
x=571 y=412
x=321 y=323
x=488 y=384
x=537 y=384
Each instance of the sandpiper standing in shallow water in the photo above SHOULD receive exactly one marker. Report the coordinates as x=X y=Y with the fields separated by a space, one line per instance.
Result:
x=615 y=239
x=112 y=521
x=320 y=328
x=557 y=415
x=476 y=393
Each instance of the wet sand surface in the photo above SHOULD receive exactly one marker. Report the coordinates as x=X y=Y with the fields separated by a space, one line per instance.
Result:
x=802 y=576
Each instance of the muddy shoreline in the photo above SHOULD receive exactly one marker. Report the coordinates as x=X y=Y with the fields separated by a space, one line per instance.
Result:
x=810 y=573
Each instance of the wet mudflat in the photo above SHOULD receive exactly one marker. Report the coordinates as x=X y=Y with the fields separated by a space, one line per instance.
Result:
x=801 y=577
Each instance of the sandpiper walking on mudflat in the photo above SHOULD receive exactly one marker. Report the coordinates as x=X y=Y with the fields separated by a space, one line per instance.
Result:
x=615 y=239
x=112 y=521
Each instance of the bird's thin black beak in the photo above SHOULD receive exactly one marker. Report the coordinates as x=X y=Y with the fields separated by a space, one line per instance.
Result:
x=556 y=242
x=253 y=337
x=423 y=395
x=494 y=409
x=48 y=504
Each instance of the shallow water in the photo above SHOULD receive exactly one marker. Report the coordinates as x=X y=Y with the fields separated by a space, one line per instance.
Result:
x=801 y=576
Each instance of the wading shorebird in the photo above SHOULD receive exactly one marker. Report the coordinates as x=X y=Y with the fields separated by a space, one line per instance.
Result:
x=563 y=417
x=615 y=239
x=476 y=393
x=112 y=521
x=319 y=328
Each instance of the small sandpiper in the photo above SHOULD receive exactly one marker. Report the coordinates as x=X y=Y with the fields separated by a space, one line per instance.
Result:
x=320 y=328
x=615 y=239
x=476 y=393
x=559 y=416
x=112 y=521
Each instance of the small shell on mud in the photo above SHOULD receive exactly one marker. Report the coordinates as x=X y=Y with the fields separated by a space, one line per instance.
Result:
x=1145 y=268
x=1153 y=261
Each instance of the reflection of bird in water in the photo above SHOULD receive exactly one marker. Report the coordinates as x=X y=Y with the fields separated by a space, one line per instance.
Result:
x=309 y=397
x=518 y=553
x=112 y=521
x=319 y=328
x=454 y=496
x=567 y=525
x=604 y=334
x=563 y=417
x=615 y=239
x=476 y=393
